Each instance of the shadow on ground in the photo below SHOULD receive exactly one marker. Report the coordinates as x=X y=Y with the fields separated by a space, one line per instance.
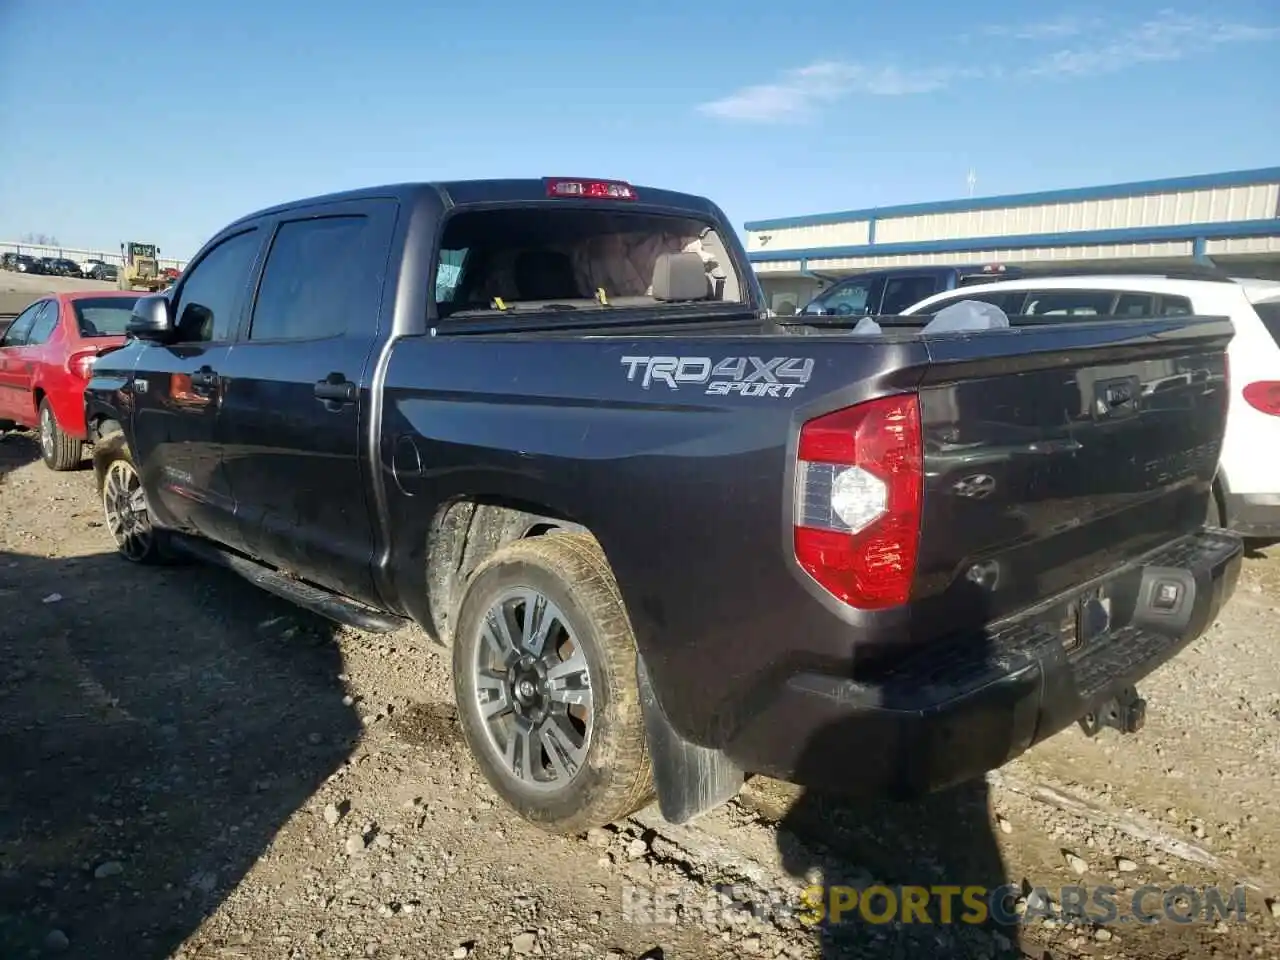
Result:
x=867 y=859
x=157 y=728
x=17 y=449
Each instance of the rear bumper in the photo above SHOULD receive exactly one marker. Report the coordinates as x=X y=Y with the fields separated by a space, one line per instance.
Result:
x=951 y=713
x=1253 y=514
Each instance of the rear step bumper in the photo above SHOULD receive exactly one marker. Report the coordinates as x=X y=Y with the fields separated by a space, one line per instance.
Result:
x=951 y=713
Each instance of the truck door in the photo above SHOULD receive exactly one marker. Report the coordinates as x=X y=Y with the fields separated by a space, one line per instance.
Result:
x=177 y=388
x=15 y=366
x=295 y=412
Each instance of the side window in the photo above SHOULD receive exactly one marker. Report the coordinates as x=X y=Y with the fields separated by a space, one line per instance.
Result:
x=448 y=273
x=323 y=278
x=1010 y=301
x=902 y=292
x=207 y=301
x=1135 y=305
x=16 y=335
x=1070 y=303
x=846 y=299
x=1175 y=307
x=44 y=323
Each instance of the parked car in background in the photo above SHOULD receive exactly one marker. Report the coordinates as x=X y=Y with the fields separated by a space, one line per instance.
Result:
x=17 y=262
x=670 y=540
x=86 y=266
x=46 y=357
x=105 y=271
x=1247 y=489
x=892 y=291
x=63 y=267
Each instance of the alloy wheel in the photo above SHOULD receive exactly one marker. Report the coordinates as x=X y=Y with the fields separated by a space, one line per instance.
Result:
x=125 y=506
x=533 y=691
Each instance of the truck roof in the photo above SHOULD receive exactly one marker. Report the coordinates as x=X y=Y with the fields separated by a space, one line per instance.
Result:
x=509 y=190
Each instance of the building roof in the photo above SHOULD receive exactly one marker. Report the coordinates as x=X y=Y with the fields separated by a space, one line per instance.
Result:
x=1208 y=181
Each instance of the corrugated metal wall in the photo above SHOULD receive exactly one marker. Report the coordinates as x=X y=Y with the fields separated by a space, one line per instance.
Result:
x=1216 y=205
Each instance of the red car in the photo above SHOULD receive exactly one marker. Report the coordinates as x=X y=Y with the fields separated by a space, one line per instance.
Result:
x=46 y=356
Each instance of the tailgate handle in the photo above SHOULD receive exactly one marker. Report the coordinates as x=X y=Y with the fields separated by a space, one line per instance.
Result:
x=1116 y=398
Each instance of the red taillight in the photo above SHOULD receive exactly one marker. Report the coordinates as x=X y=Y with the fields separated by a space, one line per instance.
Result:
x=1264 y=395
x=591 y=189
x=81 y=363
x=859 y=485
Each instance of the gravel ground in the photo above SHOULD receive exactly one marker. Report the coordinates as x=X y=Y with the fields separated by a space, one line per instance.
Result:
x=191 y=768
x=17 y=290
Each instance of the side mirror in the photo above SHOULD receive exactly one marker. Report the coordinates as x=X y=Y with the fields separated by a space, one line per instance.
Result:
x=152 y=318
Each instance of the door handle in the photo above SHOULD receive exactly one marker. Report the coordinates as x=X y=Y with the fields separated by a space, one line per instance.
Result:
x=204 y=377
x=336 y=388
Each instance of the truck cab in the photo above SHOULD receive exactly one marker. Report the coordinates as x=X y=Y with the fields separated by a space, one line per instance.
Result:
x=892 y=291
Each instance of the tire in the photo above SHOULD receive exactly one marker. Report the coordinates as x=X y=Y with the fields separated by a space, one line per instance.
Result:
x=137 y=537
x=60 y=450
x=600 y=771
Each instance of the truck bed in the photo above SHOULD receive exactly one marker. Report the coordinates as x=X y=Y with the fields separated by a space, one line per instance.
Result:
x=678 y=454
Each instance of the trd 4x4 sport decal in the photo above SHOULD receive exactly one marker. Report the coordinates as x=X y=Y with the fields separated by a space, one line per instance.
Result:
x=747 y=376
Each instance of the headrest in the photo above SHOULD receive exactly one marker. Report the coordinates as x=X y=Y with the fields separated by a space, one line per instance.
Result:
x=680 y=276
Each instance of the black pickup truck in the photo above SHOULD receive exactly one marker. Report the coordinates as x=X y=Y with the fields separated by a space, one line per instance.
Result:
x=671 y=539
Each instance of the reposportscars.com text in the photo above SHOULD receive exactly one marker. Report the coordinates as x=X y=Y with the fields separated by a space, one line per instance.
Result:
x=938 y=904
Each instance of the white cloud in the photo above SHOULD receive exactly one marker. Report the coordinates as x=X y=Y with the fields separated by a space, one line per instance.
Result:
x=798 y=92
x=1056 y=29
x=1165 y=37
x=1099 y=47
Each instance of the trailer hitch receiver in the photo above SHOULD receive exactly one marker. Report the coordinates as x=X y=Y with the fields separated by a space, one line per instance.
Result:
x=1126 y=712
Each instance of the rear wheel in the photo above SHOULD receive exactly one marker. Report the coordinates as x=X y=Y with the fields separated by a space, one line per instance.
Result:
x=544 y=667
x=60 y=450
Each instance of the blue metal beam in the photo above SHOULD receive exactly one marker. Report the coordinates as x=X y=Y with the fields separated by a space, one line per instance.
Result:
x=1185 y=232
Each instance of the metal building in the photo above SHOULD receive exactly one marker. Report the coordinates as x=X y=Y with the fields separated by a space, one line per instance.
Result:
x=1230 y=219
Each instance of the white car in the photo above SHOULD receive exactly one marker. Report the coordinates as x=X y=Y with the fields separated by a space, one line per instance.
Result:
x=1247 y=489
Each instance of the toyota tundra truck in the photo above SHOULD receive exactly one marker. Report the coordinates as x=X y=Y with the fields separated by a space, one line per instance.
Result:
x=670 y=539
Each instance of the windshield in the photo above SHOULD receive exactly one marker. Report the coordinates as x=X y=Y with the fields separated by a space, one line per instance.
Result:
x=104 y=316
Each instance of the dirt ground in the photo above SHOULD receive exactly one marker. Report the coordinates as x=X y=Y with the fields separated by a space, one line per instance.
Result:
x=17 y=290
x=192 y=768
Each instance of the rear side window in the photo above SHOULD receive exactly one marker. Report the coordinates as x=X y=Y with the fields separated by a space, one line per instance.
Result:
x=902 y=292
x=1135 y=305
x=1175 y=307
x=44 y=324
x=1269 y=312
x=322 y=279
x=1010 y=301
x=1069 y=303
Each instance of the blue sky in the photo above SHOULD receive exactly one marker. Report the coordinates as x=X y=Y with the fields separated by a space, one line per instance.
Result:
x=113 y=130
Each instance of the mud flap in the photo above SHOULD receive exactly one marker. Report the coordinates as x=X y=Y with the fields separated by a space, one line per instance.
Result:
x=690 y=780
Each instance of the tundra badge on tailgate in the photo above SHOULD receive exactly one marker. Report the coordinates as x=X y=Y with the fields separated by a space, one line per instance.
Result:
x=747 y=376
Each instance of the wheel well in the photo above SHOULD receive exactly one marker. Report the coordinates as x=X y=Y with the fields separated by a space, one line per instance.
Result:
x=38 y=395
x=467 y=531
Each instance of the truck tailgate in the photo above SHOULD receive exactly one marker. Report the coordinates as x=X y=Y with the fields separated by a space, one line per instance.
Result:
x=1054 y=454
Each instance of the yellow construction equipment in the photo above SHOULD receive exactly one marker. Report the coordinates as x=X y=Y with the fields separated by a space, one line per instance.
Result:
x=141 y=268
